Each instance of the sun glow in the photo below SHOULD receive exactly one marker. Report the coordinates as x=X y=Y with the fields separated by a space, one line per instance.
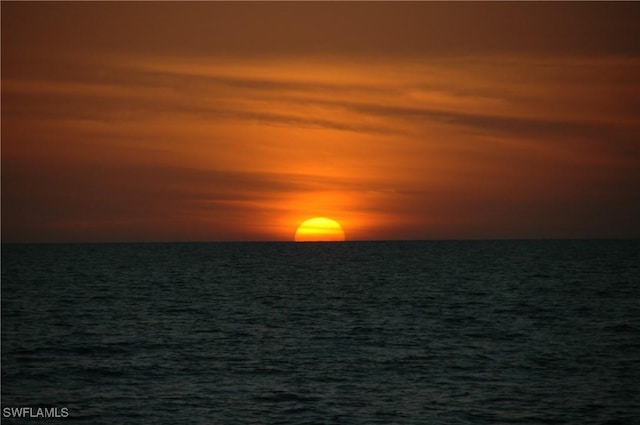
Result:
x=320 y=229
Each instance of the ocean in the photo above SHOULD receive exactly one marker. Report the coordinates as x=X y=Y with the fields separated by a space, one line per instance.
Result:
x=434 y=332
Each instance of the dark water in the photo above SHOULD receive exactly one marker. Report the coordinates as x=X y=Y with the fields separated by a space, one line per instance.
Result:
x=524 y=332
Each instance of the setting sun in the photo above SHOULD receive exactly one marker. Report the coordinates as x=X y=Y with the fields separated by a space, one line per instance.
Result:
x=320 y=229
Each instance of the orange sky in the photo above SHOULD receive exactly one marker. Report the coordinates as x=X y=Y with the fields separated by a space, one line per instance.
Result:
x=169 y=121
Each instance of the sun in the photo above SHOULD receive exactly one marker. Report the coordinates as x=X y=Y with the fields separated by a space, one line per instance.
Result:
x=319 y=229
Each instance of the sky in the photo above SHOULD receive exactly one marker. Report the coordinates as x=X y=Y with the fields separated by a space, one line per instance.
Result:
x=237 y=121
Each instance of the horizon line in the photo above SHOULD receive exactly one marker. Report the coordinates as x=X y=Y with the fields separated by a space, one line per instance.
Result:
x=497 y=239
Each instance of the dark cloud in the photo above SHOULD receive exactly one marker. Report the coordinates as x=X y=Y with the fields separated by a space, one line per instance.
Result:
x=380 y=29
x=55 y=196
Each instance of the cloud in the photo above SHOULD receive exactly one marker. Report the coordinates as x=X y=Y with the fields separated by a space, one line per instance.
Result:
x=410 y=116
x=97 y=195
x=381 y=29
